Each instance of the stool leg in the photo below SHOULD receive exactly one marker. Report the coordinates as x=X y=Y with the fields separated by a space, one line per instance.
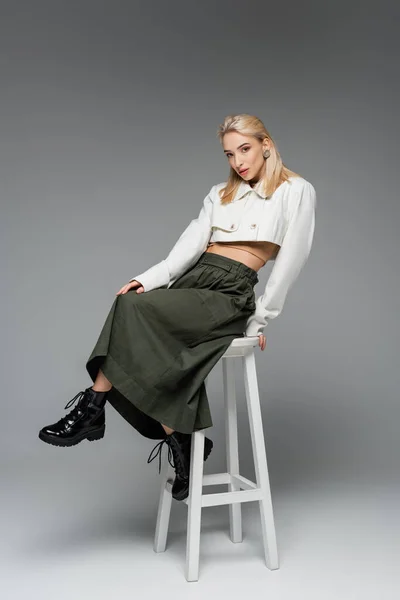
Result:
x=164 y=508
x=194 y=501
x=232 y=449
x=260 y=461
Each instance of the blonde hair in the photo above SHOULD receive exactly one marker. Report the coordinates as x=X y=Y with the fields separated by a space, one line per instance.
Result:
x=275 y=171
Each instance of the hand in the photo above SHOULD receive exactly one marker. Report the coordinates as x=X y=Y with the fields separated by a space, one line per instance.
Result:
x=131 y=285
x=262 y=340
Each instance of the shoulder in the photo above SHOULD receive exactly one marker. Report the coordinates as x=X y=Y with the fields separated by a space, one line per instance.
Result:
x=300 y=190
x=219 y=186
x=299 y=184
x=214 y=193
x=298 y=195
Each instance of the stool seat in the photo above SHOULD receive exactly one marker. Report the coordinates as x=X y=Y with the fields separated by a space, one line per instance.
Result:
x=240 y=489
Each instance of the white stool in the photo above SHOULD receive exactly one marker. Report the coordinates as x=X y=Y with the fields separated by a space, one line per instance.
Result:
x=240 y=488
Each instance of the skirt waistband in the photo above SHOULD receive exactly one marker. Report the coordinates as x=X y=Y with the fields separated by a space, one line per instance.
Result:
x=229 y=264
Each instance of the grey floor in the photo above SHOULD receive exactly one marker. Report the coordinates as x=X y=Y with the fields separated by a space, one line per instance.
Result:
x=78 y=524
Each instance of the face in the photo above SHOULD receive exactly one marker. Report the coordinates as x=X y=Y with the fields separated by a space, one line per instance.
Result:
x=245 y=152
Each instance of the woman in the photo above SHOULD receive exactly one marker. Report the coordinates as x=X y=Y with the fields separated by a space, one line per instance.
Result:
x=170 y=325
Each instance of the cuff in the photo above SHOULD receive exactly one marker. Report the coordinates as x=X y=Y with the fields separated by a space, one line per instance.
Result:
x=254 y=329
x=155 y=277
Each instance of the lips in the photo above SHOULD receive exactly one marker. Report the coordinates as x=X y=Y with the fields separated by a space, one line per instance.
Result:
x=244 y=171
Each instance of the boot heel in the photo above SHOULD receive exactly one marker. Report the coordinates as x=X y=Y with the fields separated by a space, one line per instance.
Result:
x=208 y=444
x=97 y=435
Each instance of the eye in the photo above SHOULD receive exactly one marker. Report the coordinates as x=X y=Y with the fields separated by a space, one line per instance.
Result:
x=228 y=154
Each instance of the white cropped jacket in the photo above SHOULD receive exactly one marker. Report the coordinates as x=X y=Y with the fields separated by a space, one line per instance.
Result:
x=286 y=218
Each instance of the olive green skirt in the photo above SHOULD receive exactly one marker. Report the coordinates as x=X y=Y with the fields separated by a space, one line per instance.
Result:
x=157 y=348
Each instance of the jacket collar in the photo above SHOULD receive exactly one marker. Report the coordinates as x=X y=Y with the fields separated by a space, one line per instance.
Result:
x=244 y=188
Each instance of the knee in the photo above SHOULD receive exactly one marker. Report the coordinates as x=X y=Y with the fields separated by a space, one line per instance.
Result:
x=129 y=298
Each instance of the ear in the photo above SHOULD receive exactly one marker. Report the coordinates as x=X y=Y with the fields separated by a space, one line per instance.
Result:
x=266 y=144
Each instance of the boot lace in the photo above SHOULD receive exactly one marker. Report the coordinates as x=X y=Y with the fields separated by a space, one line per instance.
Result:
x=79 y=397
x=159 y=452
x=177 y=464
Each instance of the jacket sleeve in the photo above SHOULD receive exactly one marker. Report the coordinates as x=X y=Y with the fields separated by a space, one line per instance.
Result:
x=289 y=262
x=186 y=251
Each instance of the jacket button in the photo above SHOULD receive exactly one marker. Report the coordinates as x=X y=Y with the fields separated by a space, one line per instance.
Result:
x=253 y=225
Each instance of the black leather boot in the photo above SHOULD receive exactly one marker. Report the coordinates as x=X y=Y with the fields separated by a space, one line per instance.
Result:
x=179 y=448
x=85 y=421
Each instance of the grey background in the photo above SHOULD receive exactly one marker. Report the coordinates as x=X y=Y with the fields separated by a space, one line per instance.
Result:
x=108 y=120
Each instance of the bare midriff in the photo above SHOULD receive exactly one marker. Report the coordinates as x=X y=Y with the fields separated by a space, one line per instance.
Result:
x=253 y=254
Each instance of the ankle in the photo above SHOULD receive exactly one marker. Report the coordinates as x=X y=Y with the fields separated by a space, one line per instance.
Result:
x=99 y=389
x=167 y=430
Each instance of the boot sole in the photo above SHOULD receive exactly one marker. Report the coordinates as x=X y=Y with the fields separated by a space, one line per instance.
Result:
x=208 y=446
x=96 y=434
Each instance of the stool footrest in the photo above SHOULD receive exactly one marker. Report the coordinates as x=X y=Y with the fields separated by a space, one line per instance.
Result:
x=221 y=498
x=248 y=492
x=220 y=479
